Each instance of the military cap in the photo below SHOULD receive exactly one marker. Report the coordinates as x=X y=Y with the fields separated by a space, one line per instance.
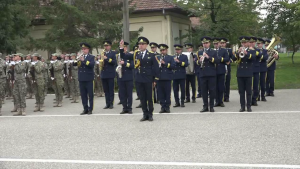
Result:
x=267 y=42
x=260 y=40
x=29 y=55
x=205 y=39
x=55 y=54
x=73 y=54
x=35 y=54
x=216 y=40
x=177 y=46
x=200 y=46
x=252 y=39
x=107 y=43
x=153 y=45
x=163 y=46
x=85 y=45
x=67 y=55
x=126 y=43
x=223 y=40
x=244 y=39
x=143 y=40
x=11 y=56
x=18 y=54
x=189 y=45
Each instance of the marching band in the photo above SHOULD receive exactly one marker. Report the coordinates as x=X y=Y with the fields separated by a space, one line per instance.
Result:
x=151 y=73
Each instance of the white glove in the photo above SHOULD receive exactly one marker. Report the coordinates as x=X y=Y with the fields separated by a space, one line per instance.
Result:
x=66 y=61
x=25 y=74
x=97 y=62
x=52 y=78
x=97 y=75
x=64 y=75
x=71 y=61
x=33 y=63
x=51 y=61
x=12 y=63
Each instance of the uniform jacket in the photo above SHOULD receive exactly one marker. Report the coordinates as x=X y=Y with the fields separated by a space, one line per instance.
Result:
x=46 y=71
x=223 y=58
x=245 y=65
x=19 y=71
x=231 y=56
x=39 y=72
x=166 y=70
x=147 y=68
x=127 y=67
x=209 y=65
x=57 y=67
x=179 y=69
x=109 y=68
x=273 y=66
x=2 y=69
x=256 y=63
x=86 y=68
x=263 y=60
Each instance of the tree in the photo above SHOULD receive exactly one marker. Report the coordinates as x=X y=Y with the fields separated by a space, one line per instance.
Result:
x=284 y=19
x=223 y=18
x=15 y=18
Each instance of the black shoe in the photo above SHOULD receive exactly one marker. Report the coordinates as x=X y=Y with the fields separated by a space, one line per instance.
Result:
x=226 y=100
x=211 y=110
x=254 y=104
x=167 y=111
x=162 y=110
x=204 y=110
x=123 y=112
x=258 y=99
x=106 y=107
x=129 y=112
x=150 y=119
x=137 y=98
x=249 y=109
x=268 y=94
x=242 y=110
x=217 y=105
x=90 y=112
x=187 y=101
x=194 y=101
x=272 y=94
x=263 y=99
x=177 y=105
x=199 y=96
x=111 y=106
x=222 y=105
x=139 y=106
x=119 y=103
x=144 y=119
x=182 y=105
x=84 y=112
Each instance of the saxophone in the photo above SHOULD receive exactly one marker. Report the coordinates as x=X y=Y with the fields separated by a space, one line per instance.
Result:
x=119 y=67
x=101 y=61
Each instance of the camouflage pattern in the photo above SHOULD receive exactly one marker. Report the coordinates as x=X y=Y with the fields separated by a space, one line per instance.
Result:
x=28 y=79
x=2 y=81
x=19 y=89
x=46 y=77
x=74 y=83
x=58 y=81
x=39 y=82
x=8 y=82
x=98 y=83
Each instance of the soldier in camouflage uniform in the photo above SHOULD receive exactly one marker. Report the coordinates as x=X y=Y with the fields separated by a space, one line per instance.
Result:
x=74 y=83
x=2 y=81
x=11 y=76
x=8 y=76
x=56 y=68
x=19 y=89
x=46 y=75
x=66 y=78
x=37 y=71
x=98 y=83
x=28 y=77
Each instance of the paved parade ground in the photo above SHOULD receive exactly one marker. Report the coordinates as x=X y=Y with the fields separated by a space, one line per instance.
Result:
x=268 y=137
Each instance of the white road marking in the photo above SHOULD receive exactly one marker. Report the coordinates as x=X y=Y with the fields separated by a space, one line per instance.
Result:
x=163 y=114
x=150 y=163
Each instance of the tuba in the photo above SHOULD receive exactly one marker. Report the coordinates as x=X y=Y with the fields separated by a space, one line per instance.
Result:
x=119 y=67
x=271 y=51
x=190 y=68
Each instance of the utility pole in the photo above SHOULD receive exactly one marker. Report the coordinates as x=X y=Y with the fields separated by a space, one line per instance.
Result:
x=126 y=22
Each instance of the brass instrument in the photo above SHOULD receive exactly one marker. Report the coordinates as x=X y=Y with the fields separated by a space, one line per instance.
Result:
x=189 y=69
x=119 y=67
x=101 y=61
x=137 y=62
x=202 y=62
x=271 y=51
x=242 y=53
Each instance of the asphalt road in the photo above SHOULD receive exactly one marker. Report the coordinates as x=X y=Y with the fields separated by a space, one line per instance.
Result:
x=60 y=138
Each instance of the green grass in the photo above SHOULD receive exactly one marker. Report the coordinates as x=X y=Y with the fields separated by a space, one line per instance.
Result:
x=287 y=74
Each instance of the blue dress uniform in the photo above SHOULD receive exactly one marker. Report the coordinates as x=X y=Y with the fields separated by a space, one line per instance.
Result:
x=223 y=58
x=179 y=77
x=157 y=55
x=270 y=80
x=147 y=66
x=108 y=74
x=197 y=71
x=263 y=71
x=165 y=76
x=256 y=70
x=190 y=79
x=244 y=75
x=126 y=82
x=86 y=80
x=208 y=73
x=228 y=76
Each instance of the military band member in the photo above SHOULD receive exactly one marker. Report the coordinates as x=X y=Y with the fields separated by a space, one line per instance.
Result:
x=56 y=68
x=181 y=62
x=263 y=68
x=190 y=77
x=66 y=78
x=38 y=81
x=208 y=74
x=228 y=74
x=154 y=46
x=126 y=81
x=197 y=70
x=19 y=84
x=165 y=76
x=270 y=82
x=136 y=70
x=86 y=63
x=245 y=56
x=98 y=82
x=28 y=77
x=147 y=66
x=74 y=79
x=221 y=71
x=2 y=81
x=108 y=74
x=256 y=70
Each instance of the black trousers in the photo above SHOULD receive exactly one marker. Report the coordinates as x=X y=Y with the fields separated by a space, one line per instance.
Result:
x=179 y=83
x=125 y=90
x=227 y=85
x=208 y=84
x=255 y=87
x=262 y=83
x=220 y=88
x=145 y=90
x=108 y=87
x=199 y=84
x=270 y=81
x=190 y=79
x=87 y=94
x=244 y=85
x=164 y=90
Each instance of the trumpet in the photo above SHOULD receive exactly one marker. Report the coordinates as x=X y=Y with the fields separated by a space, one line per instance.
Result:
x=242 y=53
x=202 y=62
x=79 y=57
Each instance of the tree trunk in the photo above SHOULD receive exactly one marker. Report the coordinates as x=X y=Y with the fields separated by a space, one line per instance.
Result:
x=293 y=56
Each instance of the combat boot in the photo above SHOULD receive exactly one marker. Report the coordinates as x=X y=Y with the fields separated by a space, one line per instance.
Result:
x=59 y=104
x=72 y=98
x=37 y=108
x=15 y=109
x=55 y=104
x=19 y=112
x=23 y=112
x=41 y=107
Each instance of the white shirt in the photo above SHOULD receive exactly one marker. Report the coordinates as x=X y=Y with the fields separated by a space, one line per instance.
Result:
x=143 y=52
